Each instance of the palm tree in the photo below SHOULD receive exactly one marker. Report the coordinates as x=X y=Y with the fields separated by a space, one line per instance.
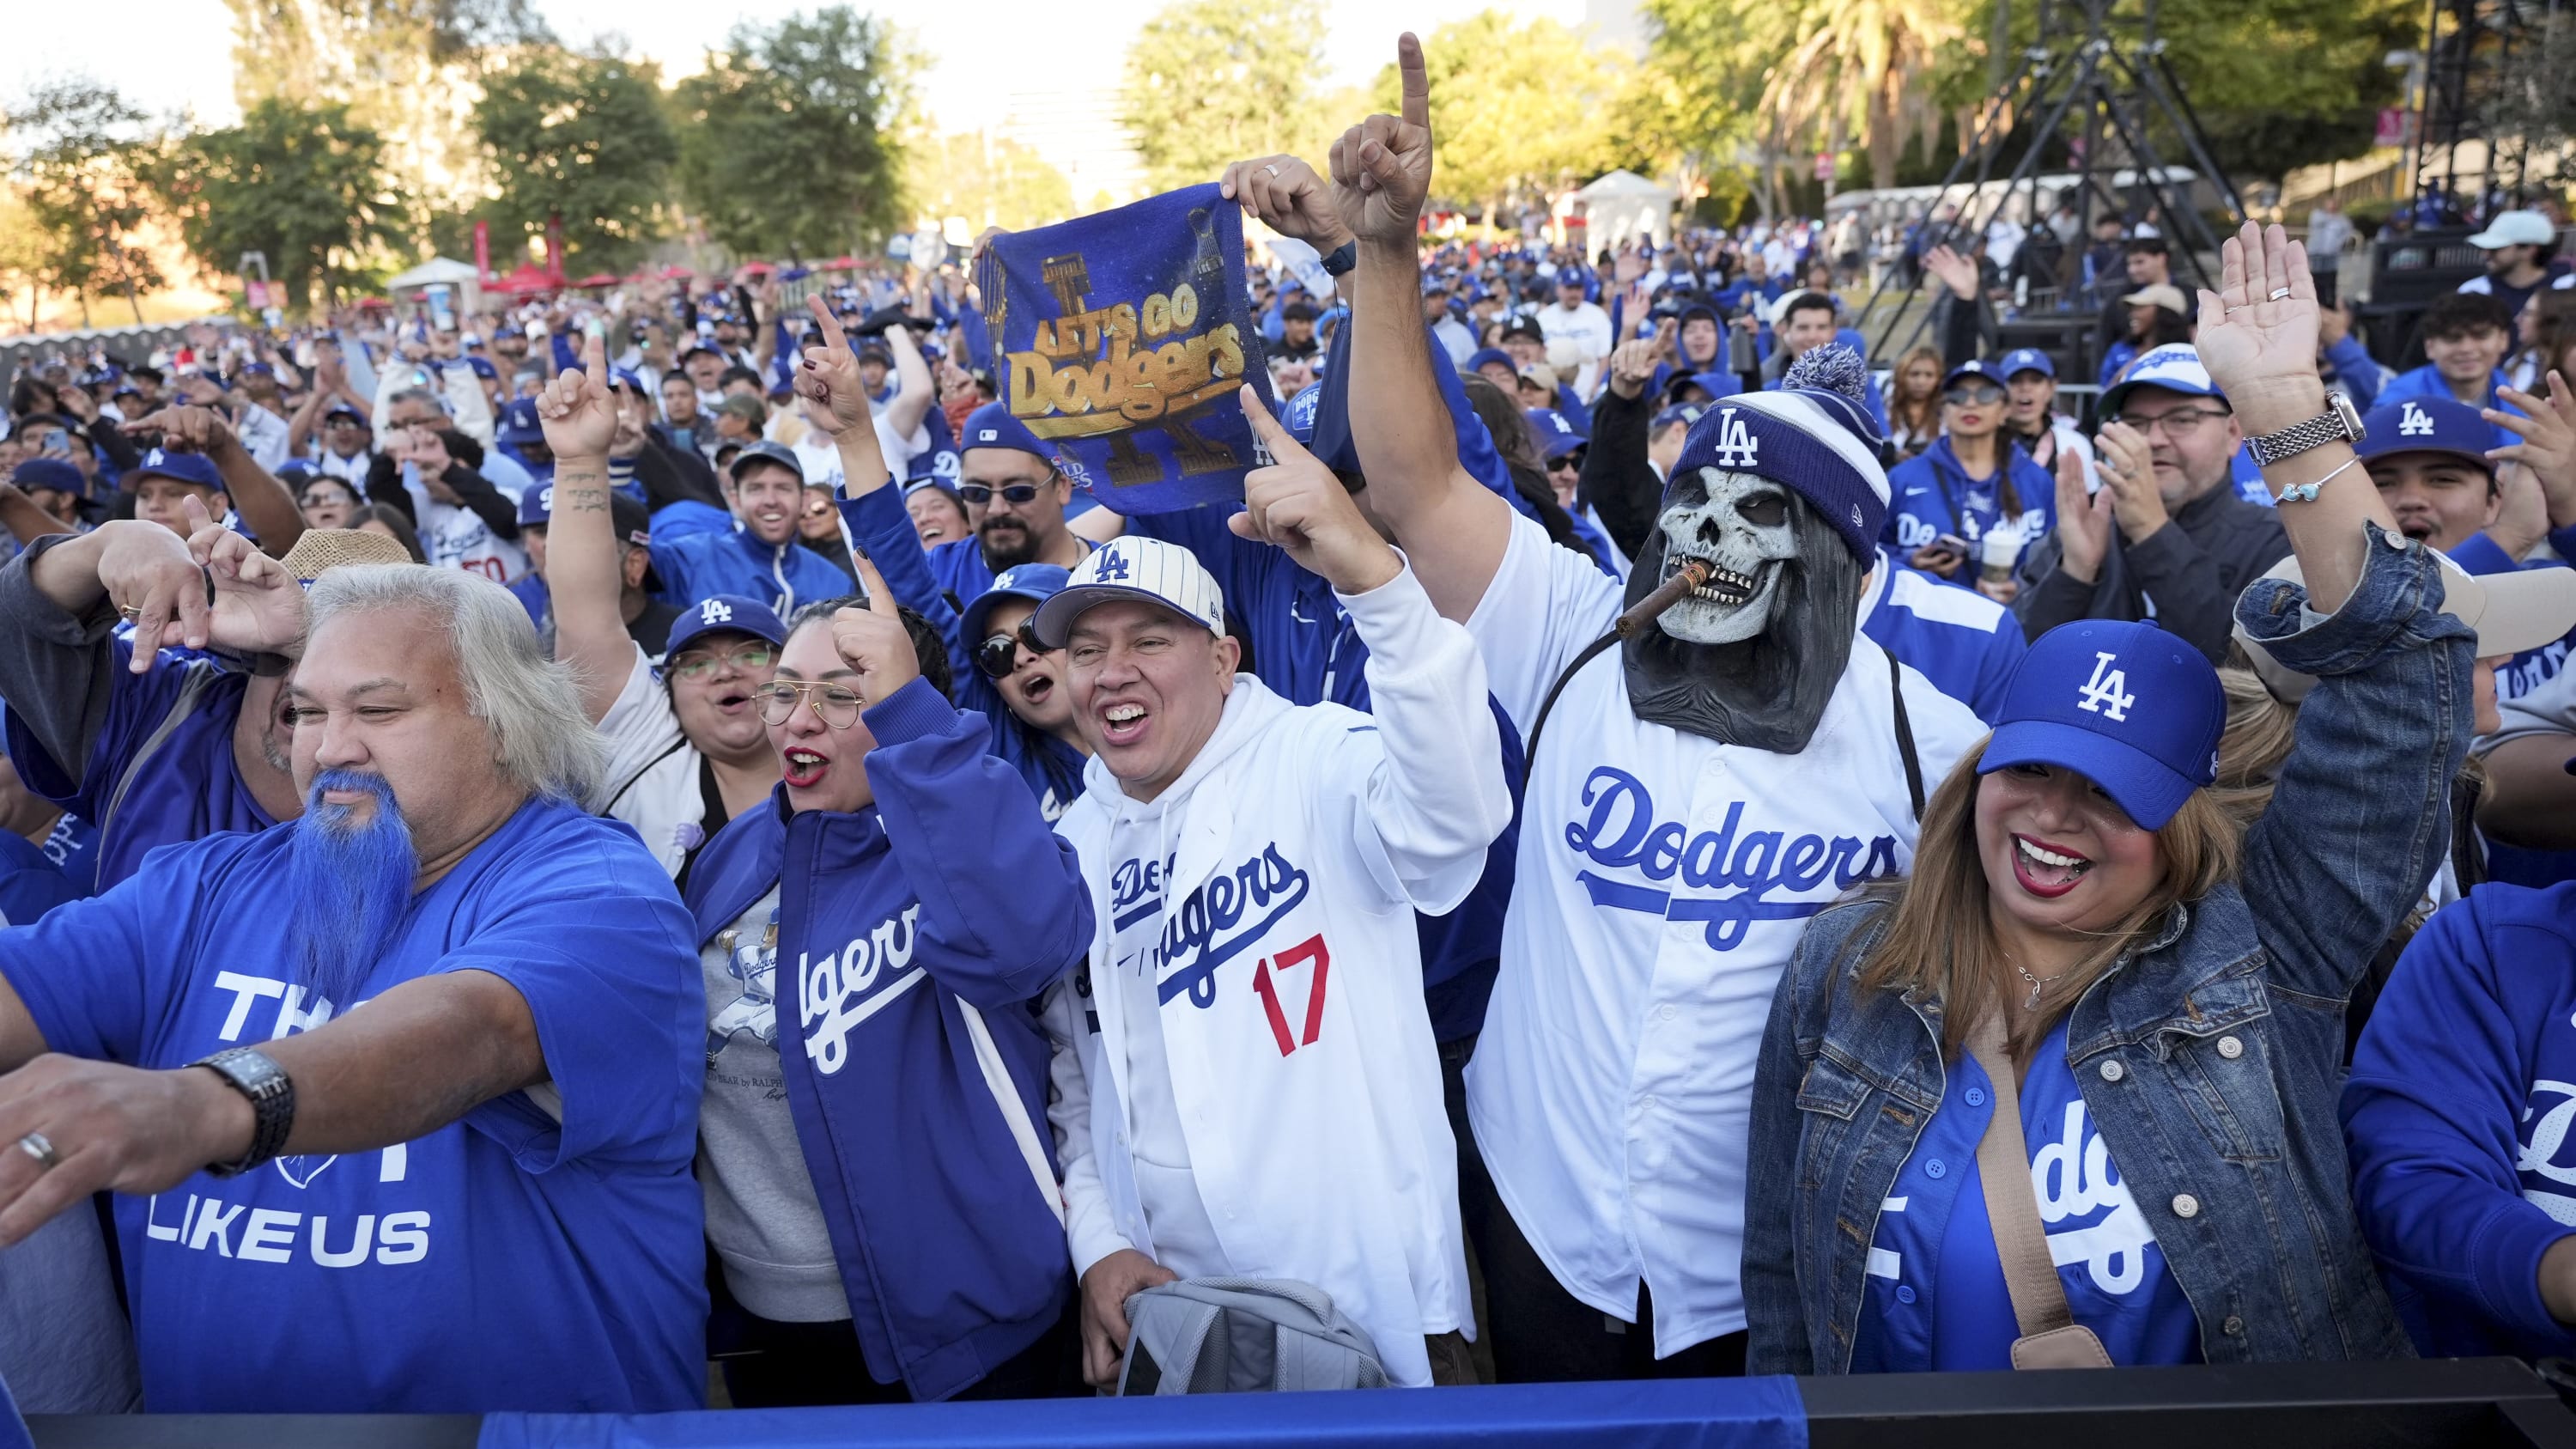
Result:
x=1862 y=68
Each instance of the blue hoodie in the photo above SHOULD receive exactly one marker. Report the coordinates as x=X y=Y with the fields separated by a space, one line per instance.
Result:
x=952 y=1258
x=784 y=576
x=1931 y=494
x=2456 y=1115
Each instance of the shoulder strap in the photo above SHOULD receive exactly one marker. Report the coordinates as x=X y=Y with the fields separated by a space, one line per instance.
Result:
x=192 y=688
x=2003 y=1161
x=1905 y=732
x=1548 y=705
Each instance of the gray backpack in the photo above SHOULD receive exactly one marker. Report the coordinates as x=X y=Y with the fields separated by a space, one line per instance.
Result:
x=1243 y=1335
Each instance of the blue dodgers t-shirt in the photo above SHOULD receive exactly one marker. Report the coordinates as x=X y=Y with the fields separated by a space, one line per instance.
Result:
x=1936 y=1296
x=189 y=788
x=30 y=885
x=505 y=1261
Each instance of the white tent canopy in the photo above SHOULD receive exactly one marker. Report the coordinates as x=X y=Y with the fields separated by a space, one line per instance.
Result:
x=436 y=269
x=1624 y=204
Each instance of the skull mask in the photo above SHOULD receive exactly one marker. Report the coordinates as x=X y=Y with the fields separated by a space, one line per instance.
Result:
x=1737 y=524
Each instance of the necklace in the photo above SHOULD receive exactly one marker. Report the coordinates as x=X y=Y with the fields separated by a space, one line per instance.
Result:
x=2036 y=983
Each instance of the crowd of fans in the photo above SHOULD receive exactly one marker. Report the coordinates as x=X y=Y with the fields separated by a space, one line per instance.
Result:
x=444 y=748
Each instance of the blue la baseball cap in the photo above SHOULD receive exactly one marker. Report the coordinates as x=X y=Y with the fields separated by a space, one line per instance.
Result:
x=2027 y=359
x=1298 y=417
x=992 y=426
x=52 y=473
x=519 y=423
x=1554 y=434
x=2129 y=707
x=482 y=368
x=2174 y=367
x=194 y=469
x=1034 y=583
x=1684 y=414
x=1715 y=384
x=344 y=410
x=1974 y=367
x=2428 y=425
x=1477 y=359
x=725 y=614
x=765 y=451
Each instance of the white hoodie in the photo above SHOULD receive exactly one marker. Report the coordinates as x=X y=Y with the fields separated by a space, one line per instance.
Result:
x=1268 y=901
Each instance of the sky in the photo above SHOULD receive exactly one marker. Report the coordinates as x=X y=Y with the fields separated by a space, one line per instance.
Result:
x=170 y=54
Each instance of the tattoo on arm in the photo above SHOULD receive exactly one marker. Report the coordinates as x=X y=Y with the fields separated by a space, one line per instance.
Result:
x=582 y=491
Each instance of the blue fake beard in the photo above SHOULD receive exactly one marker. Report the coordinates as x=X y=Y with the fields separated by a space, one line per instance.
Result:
x=348 y=885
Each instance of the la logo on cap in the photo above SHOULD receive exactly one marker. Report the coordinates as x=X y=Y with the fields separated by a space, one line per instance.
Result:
x=715 y=611
x=2415 y=423
x=2107 y=692
x=1735 y=443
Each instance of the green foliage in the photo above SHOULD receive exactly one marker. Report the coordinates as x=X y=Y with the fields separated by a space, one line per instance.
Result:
x=579 y=137
x=1212 y=82
x=990 y=181
x=788 y=138
x=305 y=184
x=83 y=154
x=1520 y=107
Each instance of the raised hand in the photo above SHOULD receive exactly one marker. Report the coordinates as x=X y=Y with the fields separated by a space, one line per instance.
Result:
x=1287 y=195
x=151 y=579
x=575 y=410
x=2083 y=524
x=1382 y=166
x=258 y=607
x=2258 y=331
x=1299 y=505
x=187 y=429
x=828 y=381
x=1956 y=272
x=2128 y=469
x=873 y=641
x=2547 y=429
x=1633 y=363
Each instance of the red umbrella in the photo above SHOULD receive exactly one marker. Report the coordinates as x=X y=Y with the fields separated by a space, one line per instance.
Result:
x=676 y=274
x=759 y=269
x=837 y=264
x=529 y=277
x=599 y=279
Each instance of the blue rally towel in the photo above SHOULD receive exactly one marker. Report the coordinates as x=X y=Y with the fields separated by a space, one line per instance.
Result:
x=1122 y=337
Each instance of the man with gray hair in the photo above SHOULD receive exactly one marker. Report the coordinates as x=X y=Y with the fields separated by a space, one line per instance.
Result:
x=472 y=1195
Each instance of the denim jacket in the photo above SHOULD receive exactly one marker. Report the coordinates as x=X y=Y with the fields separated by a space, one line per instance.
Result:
x=2209 y=1059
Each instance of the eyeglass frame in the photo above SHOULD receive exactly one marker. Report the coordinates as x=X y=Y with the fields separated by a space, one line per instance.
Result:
x=1025 y=637
x=802 y=692
x=2147 y=426
x=1009 y=493
x=1954 y=396
x=681 y=667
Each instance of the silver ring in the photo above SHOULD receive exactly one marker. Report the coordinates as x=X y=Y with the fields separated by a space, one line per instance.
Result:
x=1270 y=170
x=36 y=1146
x=2277 y=294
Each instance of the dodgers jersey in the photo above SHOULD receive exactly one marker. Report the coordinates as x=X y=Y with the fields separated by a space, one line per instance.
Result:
x=1664 y=880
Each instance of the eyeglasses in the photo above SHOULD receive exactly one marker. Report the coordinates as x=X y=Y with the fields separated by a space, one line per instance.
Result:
x=837 y=707
x=699 y=663
x=980 y=494
x=999 y=655
x=1968 y=397
x=2179 y=424
x=1565 y=463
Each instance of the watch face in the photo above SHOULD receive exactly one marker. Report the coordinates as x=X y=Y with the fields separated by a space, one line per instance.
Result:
x=2346 y=414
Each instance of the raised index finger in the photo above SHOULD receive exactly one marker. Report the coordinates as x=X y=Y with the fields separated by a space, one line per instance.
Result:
x=880 y=598
x=833 y=336
x=1417 y=82
x=1283 y=444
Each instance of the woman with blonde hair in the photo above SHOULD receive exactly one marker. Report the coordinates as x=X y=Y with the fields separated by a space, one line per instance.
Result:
x=2088 y=947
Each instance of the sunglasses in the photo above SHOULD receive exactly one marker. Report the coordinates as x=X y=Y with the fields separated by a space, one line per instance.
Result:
x=999 y=655
x=980 y=494
x=1566 y=463
x=1967 y=397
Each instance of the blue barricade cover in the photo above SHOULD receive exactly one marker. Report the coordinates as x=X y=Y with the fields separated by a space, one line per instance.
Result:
x=1760 y=1413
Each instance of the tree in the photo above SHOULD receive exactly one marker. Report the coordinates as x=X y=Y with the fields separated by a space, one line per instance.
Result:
x=789 y=138
x=1213 y=82
x=1522 y=107
x=989 y=180
x=84 y=152
x=305 y=184
x=583 y=139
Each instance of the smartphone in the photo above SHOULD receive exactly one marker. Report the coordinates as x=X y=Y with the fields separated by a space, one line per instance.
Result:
x=1953 y=543
x=442 y=308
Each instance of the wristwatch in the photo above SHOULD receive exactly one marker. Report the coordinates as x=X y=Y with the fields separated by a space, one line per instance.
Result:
x=1342 y=258
x=2339 y=423
x=251 y=1072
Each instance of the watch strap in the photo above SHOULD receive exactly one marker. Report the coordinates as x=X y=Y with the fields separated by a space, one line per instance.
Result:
x=255 y=1075
x=1342 y=258
x=2326 y=427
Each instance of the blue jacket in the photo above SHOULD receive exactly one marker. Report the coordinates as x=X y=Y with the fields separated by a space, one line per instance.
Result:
x=2427 y=381
x=1050 y=768
x=952 y=1259
x=701 y=565
x=2350 y=367
x=1931 y=494
x=2456 y=1117
x=2209 y=1058
x=1964 y=642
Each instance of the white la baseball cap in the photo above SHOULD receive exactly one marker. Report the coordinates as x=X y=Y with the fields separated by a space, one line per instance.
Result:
x=2512 y=611
x=1148 y=569
x=2516 y=229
